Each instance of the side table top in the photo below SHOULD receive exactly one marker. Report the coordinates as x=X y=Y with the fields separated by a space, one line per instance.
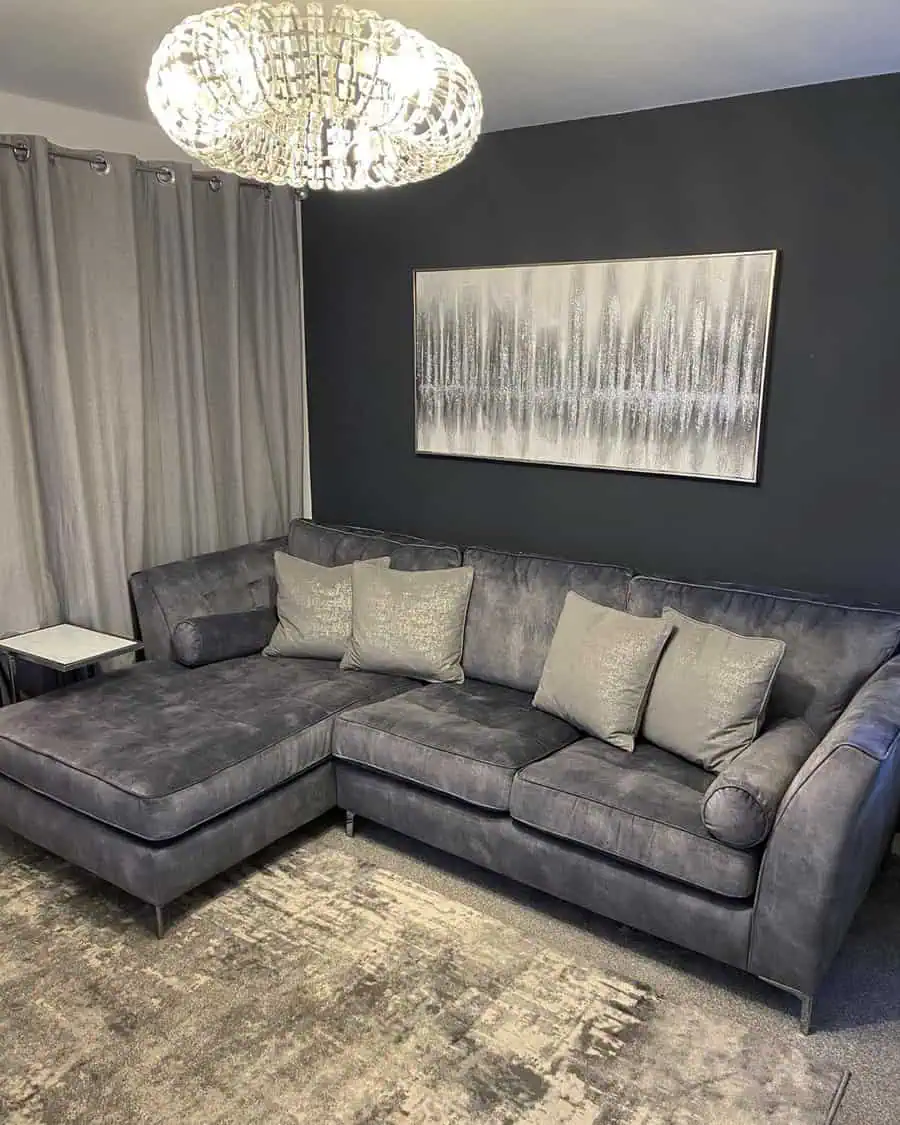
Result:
x=67 y=646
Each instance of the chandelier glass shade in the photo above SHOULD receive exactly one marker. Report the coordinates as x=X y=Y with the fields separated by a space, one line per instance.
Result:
x=276 y=94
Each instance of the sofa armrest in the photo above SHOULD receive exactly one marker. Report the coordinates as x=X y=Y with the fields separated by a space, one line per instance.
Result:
x=831 y=832
x=740 y=805
x=229 y=581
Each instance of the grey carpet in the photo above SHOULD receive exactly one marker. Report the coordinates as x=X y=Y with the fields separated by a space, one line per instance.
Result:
x=857 y=1013
x=322 y=982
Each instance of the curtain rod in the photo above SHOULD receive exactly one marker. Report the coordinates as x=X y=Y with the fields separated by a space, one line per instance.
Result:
x=161 y=170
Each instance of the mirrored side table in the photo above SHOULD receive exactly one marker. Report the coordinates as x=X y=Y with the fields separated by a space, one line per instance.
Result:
x=65 y=648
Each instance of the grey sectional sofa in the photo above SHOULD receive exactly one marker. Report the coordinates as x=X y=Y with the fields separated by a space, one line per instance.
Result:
x=158 y=777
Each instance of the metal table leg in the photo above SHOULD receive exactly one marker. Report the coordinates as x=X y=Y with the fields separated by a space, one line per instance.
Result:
x=11 y=664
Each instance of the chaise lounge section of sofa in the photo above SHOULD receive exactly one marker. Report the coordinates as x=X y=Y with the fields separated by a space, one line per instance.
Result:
x=159 y=777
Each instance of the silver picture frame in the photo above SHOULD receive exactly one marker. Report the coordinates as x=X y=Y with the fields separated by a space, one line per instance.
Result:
x=646 y=365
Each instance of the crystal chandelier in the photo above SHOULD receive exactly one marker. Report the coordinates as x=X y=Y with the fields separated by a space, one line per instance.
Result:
x=355 y=101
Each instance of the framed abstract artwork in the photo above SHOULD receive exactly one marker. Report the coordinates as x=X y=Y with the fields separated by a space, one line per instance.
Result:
x=649 y=365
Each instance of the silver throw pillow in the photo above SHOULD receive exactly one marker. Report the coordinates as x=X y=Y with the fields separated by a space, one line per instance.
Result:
x=709 y=697
x=599 y=667
x=409 y=623
x=314 y=607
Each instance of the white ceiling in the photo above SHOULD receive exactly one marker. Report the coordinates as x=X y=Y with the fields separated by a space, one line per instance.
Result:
x=536 y=60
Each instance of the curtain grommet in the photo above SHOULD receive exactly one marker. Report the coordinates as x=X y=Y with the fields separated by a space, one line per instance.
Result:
x=100 y=164
x=165 y=176
x=301 y=193
x=215 y=184
x=21 y=150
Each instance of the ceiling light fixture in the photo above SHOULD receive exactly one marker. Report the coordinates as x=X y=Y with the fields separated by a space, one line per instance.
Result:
x=355 y=101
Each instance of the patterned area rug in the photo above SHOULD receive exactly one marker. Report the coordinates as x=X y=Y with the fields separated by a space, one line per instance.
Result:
x=314 y=989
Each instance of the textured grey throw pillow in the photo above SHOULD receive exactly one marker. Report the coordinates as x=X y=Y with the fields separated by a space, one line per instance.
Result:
x=314 y=608
x=409 y=623
x=599 y=667
x=710 y=693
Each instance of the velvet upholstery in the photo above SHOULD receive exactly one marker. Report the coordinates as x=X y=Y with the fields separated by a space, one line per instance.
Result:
x=740 y=805
x=695 y=919
x=831 y=832
x=159 y=873
x=515 y=606
x=643 y=808
x=425 y=760
x=230 y=581
x=222 y=636
x=157 y=750
x=463 y=740
x=337 y=546
x=830 y=650
x=243 y=578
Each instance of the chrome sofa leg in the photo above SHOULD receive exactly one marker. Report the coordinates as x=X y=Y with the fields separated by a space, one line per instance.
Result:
x=806 y=1008
x=349 y=823
x=160 y=921
x=806 y=1004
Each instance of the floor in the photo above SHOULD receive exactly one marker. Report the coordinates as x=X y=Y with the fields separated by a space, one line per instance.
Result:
x=857 y=1013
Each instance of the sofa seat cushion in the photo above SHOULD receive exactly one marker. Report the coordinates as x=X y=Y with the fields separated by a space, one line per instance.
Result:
x=463 y=740
x=644 y=808
x=158 y=749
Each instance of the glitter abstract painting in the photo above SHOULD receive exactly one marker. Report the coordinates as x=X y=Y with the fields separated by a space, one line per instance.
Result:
x=654 y=366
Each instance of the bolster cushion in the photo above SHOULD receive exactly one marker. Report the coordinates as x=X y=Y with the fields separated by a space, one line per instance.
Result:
x=222 y=636
x=740 y=805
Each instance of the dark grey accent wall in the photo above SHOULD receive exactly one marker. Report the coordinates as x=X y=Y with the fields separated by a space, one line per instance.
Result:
x=813 y=172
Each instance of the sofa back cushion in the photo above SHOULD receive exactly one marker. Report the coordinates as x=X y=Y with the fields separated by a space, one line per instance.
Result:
x=336 y=546
x=515 y=606
x=830 y=650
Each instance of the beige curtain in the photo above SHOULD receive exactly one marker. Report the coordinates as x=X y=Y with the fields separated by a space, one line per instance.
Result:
x=152 y=382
